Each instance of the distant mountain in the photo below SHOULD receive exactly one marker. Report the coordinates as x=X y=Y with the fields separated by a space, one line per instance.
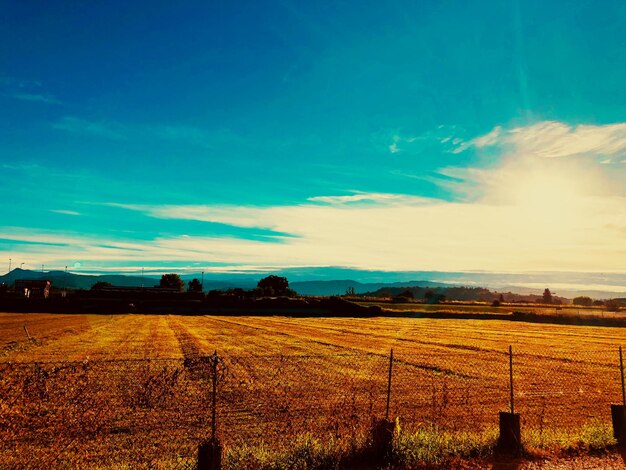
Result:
x=62 y=279
x=341 y=286
x=317 y=281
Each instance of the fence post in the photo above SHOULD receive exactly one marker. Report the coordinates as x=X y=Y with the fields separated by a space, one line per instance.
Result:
x=389 y=384
x=621 y=368
x=510 y=441
x=27 y=333
x=512 y=407
x=383 y=430
x=214 y=361
x=618 y=412
x=210 y=452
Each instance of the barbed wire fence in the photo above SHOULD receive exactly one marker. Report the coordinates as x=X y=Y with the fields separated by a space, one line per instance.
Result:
x=157 y=412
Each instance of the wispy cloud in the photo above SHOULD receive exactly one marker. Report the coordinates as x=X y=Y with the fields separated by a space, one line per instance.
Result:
x=488 y=139
x=15 y=82
x=549 y=231
x=105 y=129
x=411 y=143
x=36 y=97
x=26 y=90
x=459 y=146
x=21 y=166
x=366 y=197
x=519 y=236
x=553 y=139
x=525 y=213
x=174 y=133
x=574 y=160
x=193 y=135
x=64 y=211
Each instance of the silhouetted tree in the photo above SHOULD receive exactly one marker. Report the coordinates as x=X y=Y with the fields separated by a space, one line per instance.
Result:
x=101 y=285
x=215 y=294
x=406 y=294
x=547 y=296
x=274 y=285
x=350 y=292
x=583 y=301
x=612 y=305
x=238 y=293
x=194 y=285
x=433 y=297
x=172 y=281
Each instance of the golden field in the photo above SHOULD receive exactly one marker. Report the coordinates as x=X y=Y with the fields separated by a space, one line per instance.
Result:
x=124 y=381
x=77 y=337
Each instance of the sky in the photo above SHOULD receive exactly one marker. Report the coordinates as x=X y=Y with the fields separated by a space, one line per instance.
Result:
x=236 y=136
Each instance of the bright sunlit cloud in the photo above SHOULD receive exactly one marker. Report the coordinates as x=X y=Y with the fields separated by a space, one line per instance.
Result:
x=550 y=139
x=523 y=213
x=438 y=135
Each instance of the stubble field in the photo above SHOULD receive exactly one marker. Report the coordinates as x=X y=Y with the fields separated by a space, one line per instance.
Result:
x=80 y=337
x=281 y=378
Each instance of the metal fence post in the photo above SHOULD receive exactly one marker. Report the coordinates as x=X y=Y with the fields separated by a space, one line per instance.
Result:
x=381 y=444
x=621 y=368
x=27 y=333
x=214 y=360
x=210 y=452
x=512 y=404
x=389 y=384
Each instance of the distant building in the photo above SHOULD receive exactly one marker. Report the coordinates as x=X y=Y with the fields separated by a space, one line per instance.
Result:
x=33 y=288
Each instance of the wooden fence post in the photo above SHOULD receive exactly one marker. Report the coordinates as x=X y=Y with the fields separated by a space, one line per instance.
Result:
x=210 y=455
x=382 y=441
x=618 y=412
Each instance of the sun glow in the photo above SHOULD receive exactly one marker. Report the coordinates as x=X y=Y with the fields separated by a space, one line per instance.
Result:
x=543 y=192
x=546 y=192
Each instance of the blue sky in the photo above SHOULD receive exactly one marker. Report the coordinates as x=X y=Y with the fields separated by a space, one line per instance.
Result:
x=485 y=136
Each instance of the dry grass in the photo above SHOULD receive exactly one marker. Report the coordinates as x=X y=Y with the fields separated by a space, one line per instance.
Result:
x=316 y=380
x=505 y=308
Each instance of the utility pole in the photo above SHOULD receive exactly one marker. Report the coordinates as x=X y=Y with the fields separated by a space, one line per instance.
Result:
x=9 y=265
x=42 y=269
x=65 y=283
x=142 y=277
x=21 y=265
x=202 y=282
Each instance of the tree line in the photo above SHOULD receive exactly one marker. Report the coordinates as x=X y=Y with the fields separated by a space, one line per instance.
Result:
x=269 y=286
